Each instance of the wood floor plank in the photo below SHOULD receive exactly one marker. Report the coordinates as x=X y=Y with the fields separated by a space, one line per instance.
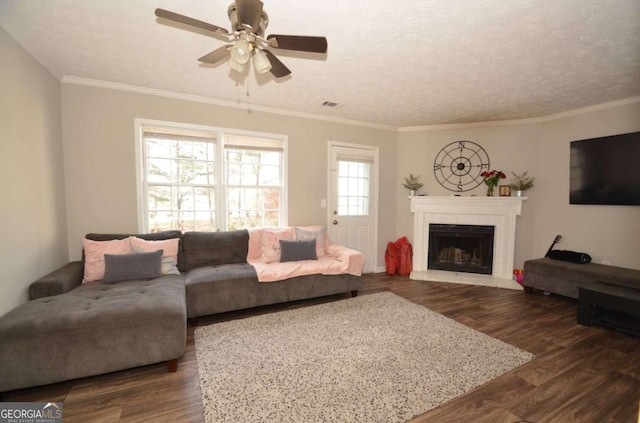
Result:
x=581 y=374
x=608 y=399
x=101 y=415
x=555 y=393
x=479 y=402
x=631 y=367
x=557 y=362
x=498 y=415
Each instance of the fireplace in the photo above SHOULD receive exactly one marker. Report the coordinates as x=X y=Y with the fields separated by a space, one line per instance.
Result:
x=496 y=257
x=461 y=248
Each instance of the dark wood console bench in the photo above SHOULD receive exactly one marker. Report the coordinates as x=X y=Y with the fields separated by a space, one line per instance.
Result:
x=593 y=285
x=610 y=297
x=564 y=278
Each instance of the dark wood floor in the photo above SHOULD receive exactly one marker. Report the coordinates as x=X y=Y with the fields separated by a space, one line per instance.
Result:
x=579 y=374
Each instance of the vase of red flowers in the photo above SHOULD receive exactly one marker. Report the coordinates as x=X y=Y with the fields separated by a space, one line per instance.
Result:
x=491 y=179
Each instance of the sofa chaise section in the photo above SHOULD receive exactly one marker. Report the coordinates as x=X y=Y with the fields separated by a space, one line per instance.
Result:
x=93 y=329
x=70 y=330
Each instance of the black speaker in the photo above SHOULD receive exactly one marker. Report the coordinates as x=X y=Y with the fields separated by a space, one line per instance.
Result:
x=570 y=256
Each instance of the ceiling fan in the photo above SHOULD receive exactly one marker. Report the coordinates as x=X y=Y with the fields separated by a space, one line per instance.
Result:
x=248 y=23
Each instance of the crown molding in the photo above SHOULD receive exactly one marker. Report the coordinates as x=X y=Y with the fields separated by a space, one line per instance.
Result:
x=445 y=126
x=218 y=102
x=595 y=108
x=265 y=109
x=529 y=121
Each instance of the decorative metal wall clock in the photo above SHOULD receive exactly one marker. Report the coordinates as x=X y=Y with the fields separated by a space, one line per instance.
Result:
x=458 y=165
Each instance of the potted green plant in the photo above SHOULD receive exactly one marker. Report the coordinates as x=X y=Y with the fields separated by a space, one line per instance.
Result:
x=412 y=183
x=521 y=183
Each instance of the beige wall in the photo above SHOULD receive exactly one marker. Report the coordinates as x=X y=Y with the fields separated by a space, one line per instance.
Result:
x=605 y=232
x=610 y=233
x=32 y=213
x=98 y=133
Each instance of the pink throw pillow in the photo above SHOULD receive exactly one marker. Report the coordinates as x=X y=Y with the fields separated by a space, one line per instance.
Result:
x=169 y=256
x=270 y=240
x=94 y=252
x=304 y=233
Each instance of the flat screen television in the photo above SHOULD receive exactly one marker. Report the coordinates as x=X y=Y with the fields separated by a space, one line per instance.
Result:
x=606 y=170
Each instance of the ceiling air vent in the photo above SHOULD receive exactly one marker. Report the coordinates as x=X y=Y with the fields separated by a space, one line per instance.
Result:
x=329 y=104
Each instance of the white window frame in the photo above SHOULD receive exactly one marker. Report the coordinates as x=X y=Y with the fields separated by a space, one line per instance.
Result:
x=219 y=134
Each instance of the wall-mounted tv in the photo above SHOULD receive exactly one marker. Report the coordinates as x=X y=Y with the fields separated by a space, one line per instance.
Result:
x=606 y=170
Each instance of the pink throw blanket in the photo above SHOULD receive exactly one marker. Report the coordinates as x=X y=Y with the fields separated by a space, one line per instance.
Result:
x=338 y=259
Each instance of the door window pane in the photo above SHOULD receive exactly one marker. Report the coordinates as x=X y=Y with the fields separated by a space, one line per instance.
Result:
x=353 y=187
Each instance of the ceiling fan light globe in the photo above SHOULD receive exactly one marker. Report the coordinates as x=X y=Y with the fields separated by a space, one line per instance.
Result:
x=238 y=67
x=261 y=62
x=240 y=52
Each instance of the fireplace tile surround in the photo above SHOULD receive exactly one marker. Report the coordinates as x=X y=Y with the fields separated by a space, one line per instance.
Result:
x=500 y=212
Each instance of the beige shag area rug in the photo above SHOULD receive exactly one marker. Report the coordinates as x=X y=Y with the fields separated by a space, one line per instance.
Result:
x=373 y=358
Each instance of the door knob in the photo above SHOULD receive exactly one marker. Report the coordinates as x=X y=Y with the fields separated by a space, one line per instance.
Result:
x=335 y=222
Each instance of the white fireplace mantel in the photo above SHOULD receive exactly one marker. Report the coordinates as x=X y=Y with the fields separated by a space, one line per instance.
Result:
x=500 y=212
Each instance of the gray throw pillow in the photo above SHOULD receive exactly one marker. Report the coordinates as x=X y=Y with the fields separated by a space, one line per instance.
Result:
x=298 y=250
x=124 y=267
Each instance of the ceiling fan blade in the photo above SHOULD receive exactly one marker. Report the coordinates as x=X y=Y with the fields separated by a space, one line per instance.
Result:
x=278 y=69
x=249 y=12
x=166 y=14
x=298 y=42
x=217 y=55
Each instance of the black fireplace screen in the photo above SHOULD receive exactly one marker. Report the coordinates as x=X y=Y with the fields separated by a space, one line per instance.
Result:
x=461 y=248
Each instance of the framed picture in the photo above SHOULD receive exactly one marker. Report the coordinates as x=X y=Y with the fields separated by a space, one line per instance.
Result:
x=505 y=191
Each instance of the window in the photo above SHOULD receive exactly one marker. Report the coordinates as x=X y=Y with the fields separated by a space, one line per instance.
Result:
x=253 y=181
x=195 y=178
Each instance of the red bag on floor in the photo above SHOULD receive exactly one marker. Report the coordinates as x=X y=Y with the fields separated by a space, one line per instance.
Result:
x=391 y=259
x=405 y=256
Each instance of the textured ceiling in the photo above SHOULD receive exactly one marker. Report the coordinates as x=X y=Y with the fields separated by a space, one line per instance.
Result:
x=391 y=62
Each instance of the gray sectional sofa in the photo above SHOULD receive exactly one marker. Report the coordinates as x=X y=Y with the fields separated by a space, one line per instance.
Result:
x=70 y=330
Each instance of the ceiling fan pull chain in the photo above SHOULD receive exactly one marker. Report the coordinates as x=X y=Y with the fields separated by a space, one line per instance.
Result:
x=248 y=93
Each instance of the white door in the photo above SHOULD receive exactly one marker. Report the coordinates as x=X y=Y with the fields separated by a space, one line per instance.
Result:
x=353 y=205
